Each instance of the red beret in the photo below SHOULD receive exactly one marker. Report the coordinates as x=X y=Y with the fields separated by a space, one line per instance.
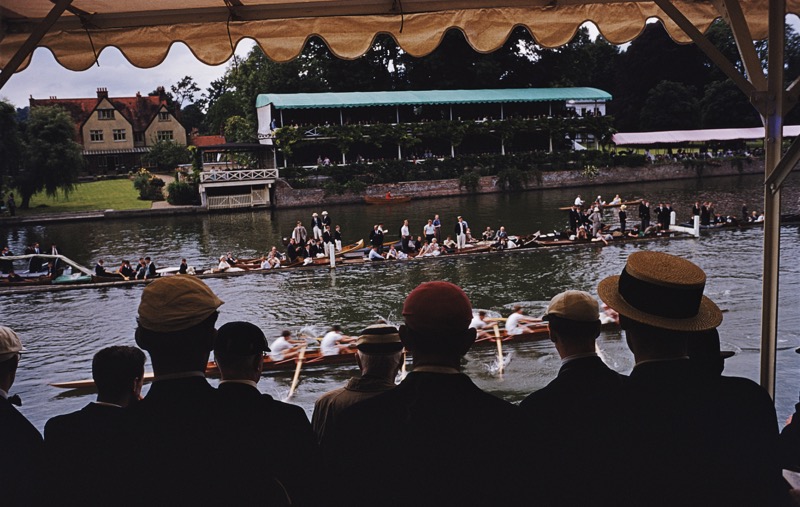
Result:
x=435 y=307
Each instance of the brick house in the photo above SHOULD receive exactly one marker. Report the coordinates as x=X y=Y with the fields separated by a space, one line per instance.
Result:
x=116 y=131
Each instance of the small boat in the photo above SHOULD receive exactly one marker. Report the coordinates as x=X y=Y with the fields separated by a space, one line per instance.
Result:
x=382 y=199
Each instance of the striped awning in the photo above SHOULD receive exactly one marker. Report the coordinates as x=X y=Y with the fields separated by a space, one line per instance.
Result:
x=138 y=149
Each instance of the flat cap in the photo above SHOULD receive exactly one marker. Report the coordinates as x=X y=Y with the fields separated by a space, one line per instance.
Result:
x=10 y=344
x=177 y=302
x=573 y=305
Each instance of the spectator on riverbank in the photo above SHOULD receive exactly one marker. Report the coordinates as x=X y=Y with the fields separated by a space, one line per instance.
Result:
x=379 y=357
x=423 y=442
x=20 y=441
x=692 y=438
x=92 y=432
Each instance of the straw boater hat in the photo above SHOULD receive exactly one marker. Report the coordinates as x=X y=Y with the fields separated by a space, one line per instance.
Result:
x=314 y=215
x=662 y=291
x=324 y=212
x=623 y=207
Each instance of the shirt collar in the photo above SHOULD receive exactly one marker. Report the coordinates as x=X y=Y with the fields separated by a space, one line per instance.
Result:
x=240 y=381
x=573 y=357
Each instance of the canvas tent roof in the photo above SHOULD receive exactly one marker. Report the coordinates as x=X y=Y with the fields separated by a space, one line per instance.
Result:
x=402 y=98
x=144 y=30
x=698 y=136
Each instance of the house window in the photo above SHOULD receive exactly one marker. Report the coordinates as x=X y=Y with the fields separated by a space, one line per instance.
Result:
x=138 y=137
x=96 y=136
x=119 y=134
x=163 y=116
x=164 y=135
x=105 y=114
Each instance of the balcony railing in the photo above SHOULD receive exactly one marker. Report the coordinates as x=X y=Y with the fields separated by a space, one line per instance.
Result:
x=243 y=175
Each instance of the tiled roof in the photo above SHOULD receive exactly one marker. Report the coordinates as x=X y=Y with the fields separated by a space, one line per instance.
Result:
x=201 y=141
x=139 y=110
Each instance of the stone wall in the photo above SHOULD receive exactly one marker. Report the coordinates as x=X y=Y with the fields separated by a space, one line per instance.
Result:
x=287 y=197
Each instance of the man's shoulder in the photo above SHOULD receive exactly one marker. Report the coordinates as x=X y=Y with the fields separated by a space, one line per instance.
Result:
x=17 y=428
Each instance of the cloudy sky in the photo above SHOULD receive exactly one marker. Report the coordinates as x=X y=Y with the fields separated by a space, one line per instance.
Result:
x=44 y=77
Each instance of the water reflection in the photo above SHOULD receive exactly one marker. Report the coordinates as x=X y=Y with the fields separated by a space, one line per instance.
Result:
x=62 y=330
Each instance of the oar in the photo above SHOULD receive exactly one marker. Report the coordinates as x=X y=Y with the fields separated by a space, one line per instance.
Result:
x=499 y=349
x=296 y=378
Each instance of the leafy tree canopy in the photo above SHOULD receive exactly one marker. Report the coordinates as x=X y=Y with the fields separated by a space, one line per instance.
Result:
x=52 y=159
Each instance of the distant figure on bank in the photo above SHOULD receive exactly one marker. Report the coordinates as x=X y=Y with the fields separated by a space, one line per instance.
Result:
x=92 y=432
x=20 y=441
x=710 y=440
x=268 y=465
x=584 y=390
x=334 y=342
x=12 y=206
x=379 y=356
x=425 y=442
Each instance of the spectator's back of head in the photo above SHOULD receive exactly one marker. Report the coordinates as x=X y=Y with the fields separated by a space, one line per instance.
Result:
x=573 y=315
x=176 y=322
x=117 y=372
x=10 y=349
x=238 y=349
x=437 y=318
x=660 y=301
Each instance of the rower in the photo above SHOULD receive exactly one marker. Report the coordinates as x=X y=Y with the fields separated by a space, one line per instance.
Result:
x=334 y=342
x=518 y=323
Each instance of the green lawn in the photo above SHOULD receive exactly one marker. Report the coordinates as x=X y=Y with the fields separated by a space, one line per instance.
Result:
x=95 y=195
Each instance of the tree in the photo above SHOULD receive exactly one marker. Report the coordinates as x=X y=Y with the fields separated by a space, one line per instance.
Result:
x=10 y=142
x=53 y=159
x=725 y=106
x=670 y=106
x=167 y=155
x=651 y=58
x=183 y=91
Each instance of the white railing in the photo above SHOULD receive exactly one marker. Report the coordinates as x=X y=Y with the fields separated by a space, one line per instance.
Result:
x=230 y=201
x=243 y=175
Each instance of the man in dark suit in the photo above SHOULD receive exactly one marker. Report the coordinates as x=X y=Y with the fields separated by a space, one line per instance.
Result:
x=425 y=442
x=35 y=264
x=574 y=219
x=150 y=269
x=694 y=439
x=644 y=214
x=91 y=432
x=167 y=433
x=20 y=441
x=272 y=460
x=327 y=240
x=579 y=413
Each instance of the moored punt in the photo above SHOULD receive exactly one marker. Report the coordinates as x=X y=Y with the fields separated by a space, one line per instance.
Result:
x=788 y=218
x=382 y=199
x=560 y=241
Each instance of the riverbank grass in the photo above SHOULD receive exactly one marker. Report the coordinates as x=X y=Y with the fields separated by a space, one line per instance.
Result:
x=91 y=196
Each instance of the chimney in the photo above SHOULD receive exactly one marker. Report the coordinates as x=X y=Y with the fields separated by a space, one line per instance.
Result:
x=102 y=93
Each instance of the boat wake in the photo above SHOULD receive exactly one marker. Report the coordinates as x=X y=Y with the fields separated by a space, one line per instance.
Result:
x=496 y=367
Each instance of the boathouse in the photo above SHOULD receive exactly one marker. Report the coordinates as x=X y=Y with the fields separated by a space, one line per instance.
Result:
x=356 y=126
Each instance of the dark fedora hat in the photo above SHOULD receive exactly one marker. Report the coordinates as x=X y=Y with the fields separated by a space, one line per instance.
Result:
x=663 y=291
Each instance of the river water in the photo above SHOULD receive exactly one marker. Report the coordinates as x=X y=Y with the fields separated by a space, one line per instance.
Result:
x=62 y=330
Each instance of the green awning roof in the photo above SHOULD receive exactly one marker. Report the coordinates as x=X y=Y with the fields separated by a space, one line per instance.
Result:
x=414 y=98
